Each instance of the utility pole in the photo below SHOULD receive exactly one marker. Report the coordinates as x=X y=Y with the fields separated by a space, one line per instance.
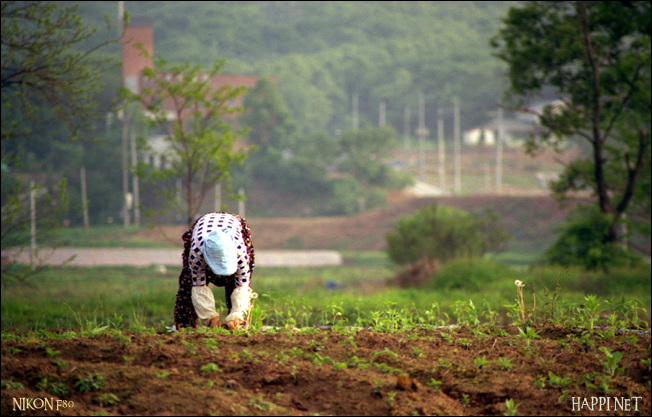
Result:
x=406 y=127
x=32 y=217
x=125 y=132
x=125 y=168
x=381 y=114
x=356 y=121
x=422 y=137
x=499 y=151
x=84 y=198
x=134 y=166
x=458 y=146
x=441 y=149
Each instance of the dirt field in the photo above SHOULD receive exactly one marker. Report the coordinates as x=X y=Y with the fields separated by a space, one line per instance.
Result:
x=529 y=219
x=423 y=371
x=419 y=372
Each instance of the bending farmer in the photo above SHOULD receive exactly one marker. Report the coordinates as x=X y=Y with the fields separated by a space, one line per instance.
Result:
x=217 y=249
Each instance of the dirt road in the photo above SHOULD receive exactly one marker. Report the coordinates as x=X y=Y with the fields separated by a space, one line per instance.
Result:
x=172 y=257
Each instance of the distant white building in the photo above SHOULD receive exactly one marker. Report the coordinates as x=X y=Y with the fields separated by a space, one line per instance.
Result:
x=517 y=128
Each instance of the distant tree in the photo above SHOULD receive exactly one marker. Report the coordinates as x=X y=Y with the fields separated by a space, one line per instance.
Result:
x=193 y=115
x=284 y=158
x=596 y=58
x=442 y=233
x=46 y=81
x=271 y=125
x=581 y=242
x=365 y=153
x=42 y=72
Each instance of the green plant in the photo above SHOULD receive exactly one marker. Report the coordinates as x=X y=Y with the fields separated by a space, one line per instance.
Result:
x=12 y=351
x=378 y=385
x=58 y=388
x=434 y=384
x=117 y=321
x=504 y=364
x=11 y=385
x=246 y=356
x=260 y=404
x=444 y=363
x=590 y=312
x=107 y=399
x=416 y=352
x=510 y=407
x=612 y=358
x=339 y=365
x=51 y=352
x=296 y=352
x=465 y=399
x=190 y=347
x=211 y=344
x=446 y=337
x=563 y=397
x=282 y=358
x=464 y=342
x=350 y=341
x=480 y=362
x=355 y=362
x=294 y=373
x=384 y=368
x=521 y=303
x=465 y=313
x=319 y=360
x=210 y=368
x=387 y=352
x=90 y=383
x=559 y=382
x=528 y=334
x=647 y=363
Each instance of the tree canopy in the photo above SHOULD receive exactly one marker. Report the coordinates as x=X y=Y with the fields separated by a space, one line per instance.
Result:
x=191 y=112
x=595 y=58
x=42 y=72
x=321 y=53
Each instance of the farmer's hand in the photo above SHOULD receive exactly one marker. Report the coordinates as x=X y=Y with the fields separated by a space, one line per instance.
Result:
x=214 y=322
x=235 y=324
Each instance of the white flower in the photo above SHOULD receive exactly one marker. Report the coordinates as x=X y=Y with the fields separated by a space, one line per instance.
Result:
x=518 y=283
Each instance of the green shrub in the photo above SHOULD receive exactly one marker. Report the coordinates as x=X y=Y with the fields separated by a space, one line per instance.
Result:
x=351 y=196
x=470 y=275
x=443 y=233
x=583 y=242
x=619 y=280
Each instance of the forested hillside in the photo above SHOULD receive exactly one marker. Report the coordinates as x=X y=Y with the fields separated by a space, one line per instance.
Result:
x=319 y=55
x=322 y=53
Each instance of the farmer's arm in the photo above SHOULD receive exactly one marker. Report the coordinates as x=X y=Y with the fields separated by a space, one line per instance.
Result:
x=241 y=295
x=204 y=303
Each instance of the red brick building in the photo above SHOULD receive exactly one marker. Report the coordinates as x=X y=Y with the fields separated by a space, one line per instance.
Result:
x=138 y=54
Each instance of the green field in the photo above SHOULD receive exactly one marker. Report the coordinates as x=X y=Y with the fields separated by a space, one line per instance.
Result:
x=359 y=293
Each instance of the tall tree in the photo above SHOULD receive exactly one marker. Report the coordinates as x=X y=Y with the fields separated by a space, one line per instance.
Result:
x=42 y=71
x=47 y=80
x=595 y=56
x=285 y=159
x=195 y=116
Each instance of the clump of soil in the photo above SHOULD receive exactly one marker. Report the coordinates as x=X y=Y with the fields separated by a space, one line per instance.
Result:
x=424 y=371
